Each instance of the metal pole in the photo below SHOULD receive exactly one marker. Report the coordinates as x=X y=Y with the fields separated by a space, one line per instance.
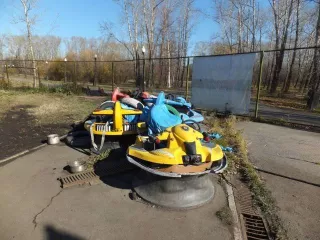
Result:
x=7 y=73
x=144 y=73
x=39 y=77
x=47 y=68
x=112 y=69
x=2 y=72
x=74 y=73
x=187 y=81
x=259 y=83
x=65 y=71
x=95 y=72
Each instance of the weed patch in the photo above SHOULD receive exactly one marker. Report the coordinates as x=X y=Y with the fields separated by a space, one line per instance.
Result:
x=225 y=216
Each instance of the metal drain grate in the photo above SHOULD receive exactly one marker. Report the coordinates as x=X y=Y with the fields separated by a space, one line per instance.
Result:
x=89 y=177
x=78 y=179
x=253 y=224
x=255 y=228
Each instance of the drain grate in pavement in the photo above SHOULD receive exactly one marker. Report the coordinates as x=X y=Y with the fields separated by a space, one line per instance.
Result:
x=78 y=179
x=253 y=224
x=255 y=228
x=90 y=177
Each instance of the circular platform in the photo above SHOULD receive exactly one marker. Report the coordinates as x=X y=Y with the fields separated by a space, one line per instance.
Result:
x=176 y=193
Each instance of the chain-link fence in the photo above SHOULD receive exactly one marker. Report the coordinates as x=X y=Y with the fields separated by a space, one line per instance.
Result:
x=282 y=94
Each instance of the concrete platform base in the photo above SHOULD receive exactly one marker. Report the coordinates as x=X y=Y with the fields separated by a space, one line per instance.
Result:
x=180 y=193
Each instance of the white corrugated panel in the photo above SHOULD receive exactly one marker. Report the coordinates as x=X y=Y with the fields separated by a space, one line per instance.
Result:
x=223 y=83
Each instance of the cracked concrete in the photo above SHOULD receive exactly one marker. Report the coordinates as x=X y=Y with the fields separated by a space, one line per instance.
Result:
x=33 y=206
x=34 y=221
x=27 y=186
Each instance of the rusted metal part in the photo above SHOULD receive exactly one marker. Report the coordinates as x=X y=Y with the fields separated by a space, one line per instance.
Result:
x=254 y=226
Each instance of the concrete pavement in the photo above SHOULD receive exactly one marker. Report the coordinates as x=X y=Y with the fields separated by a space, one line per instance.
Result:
x=292 y=159
x=33 y=206
x=289 y=115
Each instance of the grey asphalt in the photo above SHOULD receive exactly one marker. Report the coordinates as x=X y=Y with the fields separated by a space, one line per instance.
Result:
x=289 y=115
x=290 y=164
x=33 y=206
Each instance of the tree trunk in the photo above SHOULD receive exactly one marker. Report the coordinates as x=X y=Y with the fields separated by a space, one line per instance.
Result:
x=169 y=65
x=270 y=73
x=309 y=76
x=253 y=26
x=299 y=72
x=29 y=36
x=289 y=78
x=316 y=57
x=280 y=55
x=239 y=30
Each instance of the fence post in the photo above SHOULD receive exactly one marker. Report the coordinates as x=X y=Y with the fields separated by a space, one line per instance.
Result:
x=187 y=82
x=39 y=79
x=95 y=71
x=7 y=73
x=74 y=73
x=144 y=72
x=112 y=69
x=259 y=83
x=65 y=70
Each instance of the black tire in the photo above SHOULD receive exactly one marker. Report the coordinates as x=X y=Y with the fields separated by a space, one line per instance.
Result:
x=79 y=126
x=106 y=146
x=78 y=139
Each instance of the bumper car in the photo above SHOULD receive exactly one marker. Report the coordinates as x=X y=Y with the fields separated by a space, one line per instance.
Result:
x=117 y=95
x=113 y=122
x=181 y=105
x=175 y=161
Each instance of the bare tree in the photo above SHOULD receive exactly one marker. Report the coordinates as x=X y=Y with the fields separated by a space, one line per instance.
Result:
x=289 y=76
x=315 y=77
x=30 y=19
x=282 y=11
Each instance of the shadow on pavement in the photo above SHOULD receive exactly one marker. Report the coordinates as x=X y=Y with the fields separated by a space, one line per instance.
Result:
x=108 y=168
x=54 y=234
x=287 y=177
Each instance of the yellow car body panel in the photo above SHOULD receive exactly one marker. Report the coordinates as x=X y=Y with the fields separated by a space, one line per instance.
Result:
x=173 y=153
x=117 y=127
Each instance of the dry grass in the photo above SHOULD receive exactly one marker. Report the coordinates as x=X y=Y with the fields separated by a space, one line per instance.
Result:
x=291 y=100
x=48 y=108
x=225 y=215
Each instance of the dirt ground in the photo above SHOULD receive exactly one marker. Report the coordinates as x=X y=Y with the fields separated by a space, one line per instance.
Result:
x=26 y=119
x=18 y=132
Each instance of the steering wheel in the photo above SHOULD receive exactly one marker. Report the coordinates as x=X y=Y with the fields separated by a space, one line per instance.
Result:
x=195 y=125
x=170 y=96
x=172 y=110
